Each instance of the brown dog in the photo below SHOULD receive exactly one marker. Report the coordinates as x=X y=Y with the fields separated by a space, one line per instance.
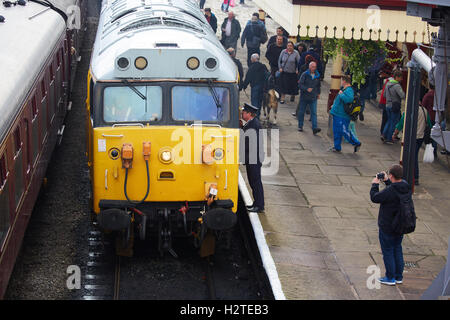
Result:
x=270 y=102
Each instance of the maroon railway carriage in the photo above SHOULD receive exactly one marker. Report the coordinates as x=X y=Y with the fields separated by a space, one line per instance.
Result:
x=37 y=59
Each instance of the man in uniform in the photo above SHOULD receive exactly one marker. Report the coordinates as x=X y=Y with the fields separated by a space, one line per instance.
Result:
x=253 y=162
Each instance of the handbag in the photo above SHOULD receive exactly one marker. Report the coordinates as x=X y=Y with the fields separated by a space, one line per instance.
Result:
x=277 y=74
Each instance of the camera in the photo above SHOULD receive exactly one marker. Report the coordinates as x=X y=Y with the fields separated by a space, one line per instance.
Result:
x=380 y=176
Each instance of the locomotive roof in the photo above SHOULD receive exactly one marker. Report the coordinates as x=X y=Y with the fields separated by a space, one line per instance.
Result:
x=166 y=33
x=26 y=43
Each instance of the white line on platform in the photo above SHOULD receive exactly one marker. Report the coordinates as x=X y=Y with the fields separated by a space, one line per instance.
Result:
x=266 y=257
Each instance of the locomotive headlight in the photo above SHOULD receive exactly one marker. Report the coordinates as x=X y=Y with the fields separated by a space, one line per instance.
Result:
x=140 y=63
x=218 y=154
x=193 y=63
x=123 y=63
x=211 y=63
x=165 y=155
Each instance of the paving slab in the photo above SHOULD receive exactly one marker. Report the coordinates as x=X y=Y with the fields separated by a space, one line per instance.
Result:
x=335 y=196
x=306 y=243
x=282 y=195
x=355 y=213
x=338 y=170
x=311 y=284
x=292 y=220
x=326 y=212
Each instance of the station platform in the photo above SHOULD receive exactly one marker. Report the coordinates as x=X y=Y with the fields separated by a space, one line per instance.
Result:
x=319 y=224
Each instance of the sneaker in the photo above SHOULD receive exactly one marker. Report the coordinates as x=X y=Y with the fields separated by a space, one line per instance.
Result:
x=385 y=280
x=398 y=281
x=294 y=114
x=382 y=138
x=389 y=142
x=316 y=130
x=357 y=147
x=282 y=101
x=300 y=129
x=333 y=149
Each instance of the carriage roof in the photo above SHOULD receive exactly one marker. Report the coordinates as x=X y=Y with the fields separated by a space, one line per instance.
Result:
x=26 y=43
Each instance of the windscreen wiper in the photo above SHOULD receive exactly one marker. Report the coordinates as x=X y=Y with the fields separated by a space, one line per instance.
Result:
x=143 y=97
x=216 y=100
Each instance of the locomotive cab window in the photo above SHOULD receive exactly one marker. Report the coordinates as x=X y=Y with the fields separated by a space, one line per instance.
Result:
x=132 y=104
x=190 y=103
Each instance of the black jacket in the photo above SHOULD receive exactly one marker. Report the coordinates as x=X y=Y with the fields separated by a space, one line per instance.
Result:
x=273 y=39
x=212 y=22
x=256 y=75
x=252 y=140
x=235 y=29
x=389 y=203
x=273 y=53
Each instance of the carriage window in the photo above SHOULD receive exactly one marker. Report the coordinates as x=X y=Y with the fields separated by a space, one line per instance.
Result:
x=3 y=171
x=4 y=200
x=122 y=104
x=34 y=107
x=43 y=91
x=17 y=142
x=52 y=74
x=199 y=103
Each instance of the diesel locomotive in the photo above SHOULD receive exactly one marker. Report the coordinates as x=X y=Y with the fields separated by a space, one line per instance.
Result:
x=163 y=124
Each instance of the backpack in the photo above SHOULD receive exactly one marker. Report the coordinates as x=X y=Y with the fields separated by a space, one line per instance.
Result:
x=264 y=36
x=353 y=108
x=405 y=220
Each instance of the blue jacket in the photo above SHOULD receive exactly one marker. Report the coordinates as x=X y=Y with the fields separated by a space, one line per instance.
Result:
x=307 y=81
x=338 y=105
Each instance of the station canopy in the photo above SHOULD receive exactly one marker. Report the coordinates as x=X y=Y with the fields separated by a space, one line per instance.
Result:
x=351 y=19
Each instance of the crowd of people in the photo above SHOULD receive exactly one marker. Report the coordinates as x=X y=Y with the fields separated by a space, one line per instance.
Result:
x=298 y=69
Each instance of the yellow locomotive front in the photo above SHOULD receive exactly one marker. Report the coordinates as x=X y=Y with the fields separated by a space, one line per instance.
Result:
x=164 y=155
x=163 y=124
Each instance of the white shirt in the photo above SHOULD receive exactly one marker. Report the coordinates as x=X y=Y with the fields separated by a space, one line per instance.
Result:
x=228 y=28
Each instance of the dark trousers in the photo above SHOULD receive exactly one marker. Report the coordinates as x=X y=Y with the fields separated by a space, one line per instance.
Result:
x=257 y=97
x=391 y=247
x=202 y=4
x=251 y=51
x=254 y=179
x=392 y=120
x=301 y=109
x=383 y=117
x=416 y=165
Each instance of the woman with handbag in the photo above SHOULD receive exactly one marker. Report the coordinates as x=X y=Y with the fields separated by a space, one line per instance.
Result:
x=423 y=135
x=394 y=95
x=288 y=71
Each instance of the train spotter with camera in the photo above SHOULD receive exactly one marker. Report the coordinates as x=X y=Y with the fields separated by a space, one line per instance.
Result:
x=163 y=125
x=37 y=62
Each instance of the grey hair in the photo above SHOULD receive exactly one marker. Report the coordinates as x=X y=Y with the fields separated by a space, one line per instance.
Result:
x=255 y=57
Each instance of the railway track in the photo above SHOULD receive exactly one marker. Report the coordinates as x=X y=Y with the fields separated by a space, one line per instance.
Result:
x=234 y=272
